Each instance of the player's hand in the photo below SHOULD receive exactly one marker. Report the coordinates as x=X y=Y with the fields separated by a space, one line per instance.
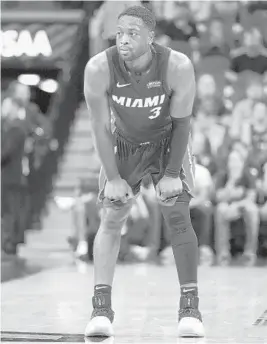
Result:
x=168 y=189
x=118 y=190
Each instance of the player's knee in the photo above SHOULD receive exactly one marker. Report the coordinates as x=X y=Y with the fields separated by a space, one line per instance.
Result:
x=178 y=221
x=113 y=219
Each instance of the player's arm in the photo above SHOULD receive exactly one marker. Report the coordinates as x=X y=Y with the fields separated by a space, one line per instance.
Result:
x=181 y=80
x=96 y=83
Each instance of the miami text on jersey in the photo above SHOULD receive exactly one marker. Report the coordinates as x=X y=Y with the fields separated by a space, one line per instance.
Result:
x=139 y=102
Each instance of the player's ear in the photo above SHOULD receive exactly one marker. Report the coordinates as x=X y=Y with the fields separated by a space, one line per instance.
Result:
x=151 y=37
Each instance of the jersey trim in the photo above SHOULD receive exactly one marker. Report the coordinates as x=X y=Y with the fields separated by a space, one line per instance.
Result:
x=163 y=63
x=110 y=53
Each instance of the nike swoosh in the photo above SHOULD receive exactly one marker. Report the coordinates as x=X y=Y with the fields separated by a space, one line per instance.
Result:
x=186 y=290
x=122 y=85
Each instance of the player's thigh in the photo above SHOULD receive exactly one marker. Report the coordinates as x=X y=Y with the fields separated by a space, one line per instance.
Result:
x=130 y=169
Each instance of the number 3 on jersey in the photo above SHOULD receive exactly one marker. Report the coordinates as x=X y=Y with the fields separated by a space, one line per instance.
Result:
x=156 y=112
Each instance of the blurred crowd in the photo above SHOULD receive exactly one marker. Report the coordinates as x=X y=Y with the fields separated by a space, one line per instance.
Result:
x=25 y=137
x=227 y=43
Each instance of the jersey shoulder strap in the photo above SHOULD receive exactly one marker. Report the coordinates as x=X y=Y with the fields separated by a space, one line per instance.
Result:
x=163 y=54
x=113 y=63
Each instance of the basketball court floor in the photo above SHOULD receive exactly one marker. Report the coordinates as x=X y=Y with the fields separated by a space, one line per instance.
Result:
x=55 y=305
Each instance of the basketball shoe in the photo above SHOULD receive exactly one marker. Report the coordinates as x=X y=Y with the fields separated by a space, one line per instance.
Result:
x=190 y=320
x=100 y=324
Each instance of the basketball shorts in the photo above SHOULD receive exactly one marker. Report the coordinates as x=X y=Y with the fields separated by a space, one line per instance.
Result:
x=151 y=160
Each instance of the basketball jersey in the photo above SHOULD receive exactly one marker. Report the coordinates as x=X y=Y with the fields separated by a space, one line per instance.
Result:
x=141 y=109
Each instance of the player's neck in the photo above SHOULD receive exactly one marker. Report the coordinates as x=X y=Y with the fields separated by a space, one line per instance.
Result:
x=141 y=64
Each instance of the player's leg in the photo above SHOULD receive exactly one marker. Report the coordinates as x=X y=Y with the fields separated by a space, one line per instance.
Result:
x=185 y=249
x=106 y=250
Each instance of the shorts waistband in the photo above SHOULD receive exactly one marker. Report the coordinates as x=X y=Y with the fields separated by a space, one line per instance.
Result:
x=126 y=147
x=119 y=133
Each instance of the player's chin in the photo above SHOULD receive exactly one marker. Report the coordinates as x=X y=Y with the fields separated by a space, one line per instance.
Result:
x=126 y=55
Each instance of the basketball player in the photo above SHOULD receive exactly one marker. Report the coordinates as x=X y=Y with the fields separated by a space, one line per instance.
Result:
x=150 y=91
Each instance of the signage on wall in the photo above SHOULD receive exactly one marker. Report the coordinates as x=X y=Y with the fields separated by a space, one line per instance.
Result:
x=18 y=43
x=36 y=44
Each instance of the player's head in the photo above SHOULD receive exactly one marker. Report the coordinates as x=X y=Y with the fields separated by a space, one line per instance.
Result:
x=135 y=32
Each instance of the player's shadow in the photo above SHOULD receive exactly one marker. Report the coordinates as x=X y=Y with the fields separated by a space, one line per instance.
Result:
x=105 y=340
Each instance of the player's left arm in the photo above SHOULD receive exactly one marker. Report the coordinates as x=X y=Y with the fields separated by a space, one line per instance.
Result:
x=181 y=80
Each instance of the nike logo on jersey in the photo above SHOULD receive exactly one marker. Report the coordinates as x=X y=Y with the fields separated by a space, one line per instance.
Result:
x=122 y=85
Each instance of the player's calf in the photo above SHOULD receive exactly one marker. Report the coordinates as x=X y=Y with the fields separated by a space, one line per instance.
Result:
x=185 y=248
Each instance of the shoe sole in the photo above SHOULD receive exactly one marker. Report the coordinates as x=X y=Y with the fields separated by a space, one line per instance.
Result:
x=99 y=327
x=191 y=327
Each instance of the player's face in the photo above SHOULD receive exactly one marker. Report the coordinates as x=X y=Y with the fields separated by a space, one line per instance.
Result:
x=133 y=38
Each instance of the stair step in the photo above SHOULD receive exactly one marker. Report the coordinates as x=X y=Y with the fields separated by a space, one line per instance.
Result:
x=79 y=150
x=80 y=141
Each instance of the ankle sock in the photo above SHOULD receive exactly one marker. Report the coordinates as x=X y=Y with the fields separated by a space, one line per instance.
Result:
x=102 y=296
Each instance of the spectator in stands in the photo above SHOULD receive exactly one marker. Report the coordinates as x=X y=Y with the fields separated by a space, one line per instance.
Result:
x=161 y=37
x=243 y=109
x=262 y=205
x=228 y=11
x=29 y=112
x=215 y=42
x=207 y=89
x=85 y=218
x=235 y=196
x=253 y=6
x=13 y=135
x=105 y=21
x=251 y=57
x=209 y=112
x=200 y=10
x=201 y=212
x=38 y=130
x=181 y=28
x=263 y=195
x=206 y=86
x=254 y=135
x=202 y=151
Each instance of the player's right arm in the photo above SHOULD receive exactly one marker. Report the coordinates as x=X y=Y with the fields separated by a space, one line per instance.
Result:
x=96 y=83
